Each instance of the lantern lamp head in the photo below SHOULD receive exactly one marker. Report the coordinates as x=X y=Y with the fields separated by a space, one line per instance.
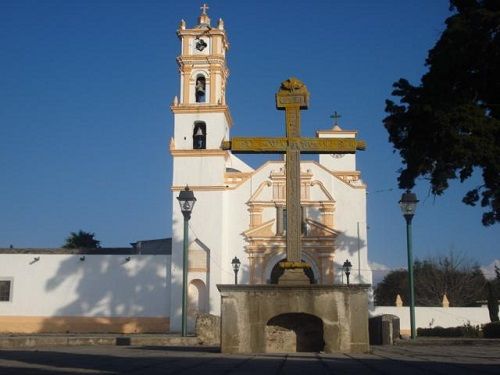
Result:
x=186 y=200
x=236 y=264
x=408 y=204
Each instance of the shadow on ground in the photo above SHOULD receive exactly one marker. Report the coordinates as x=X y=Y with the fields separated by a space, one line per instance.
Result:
x=163 y=360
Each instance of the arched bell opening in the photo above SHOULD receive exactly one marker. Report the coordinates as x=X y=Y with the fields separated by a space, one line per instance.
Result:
x=199 y=135
x=200 y=89
x=277 y=272
x=294 y=332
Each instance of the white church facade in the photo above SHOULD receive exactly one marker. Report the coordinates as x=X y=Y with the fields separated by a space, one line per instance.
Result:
x=240 y=211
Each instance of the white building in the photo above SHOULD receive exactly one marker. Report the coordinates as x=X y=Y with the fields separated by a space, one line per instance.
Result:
x=239 y=210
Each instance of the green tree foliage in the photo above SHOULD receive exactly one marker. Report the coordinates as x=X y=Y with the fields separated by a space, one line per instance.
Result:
x=449 y=125
x=461 y=281
x=493 y=290
x=81 y=240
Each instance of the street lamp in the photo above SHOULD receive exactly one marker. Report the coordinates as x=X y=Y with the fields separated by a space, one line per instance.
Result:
x=408 y=205
x=347 y=269
x=236 y=267
x=186 y=200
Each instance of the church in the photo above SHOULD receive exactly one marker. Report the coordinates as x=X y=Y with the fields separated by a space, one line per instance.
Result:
x=241 y=211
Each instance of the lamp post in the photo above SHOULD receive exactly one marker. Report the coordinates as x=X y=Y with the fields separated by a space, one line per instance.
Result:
x=236 y=267
x=408 y=205
x=186 y=200
x=347 y=269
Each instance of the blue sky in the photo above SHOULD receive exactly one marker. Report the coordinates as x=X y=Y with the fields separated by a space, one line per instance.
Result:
x=85 y=122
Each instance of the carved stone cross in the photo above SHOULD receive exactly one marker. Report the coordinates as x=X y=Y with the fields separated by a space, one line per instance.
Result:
x=204 y=8
x=292 y=97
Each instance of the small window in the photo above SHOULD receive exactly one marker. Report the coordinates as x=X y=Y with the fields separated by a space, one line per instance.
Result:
x=200 y=89
x=199 y=135
x=5 y=290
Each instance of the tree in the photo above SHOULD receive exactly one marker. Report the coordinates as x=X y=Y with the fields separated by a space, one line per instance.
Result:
x=394 y=283
x=493 y=289
x=461 y=280
x=492 y=302
x=81 y=240
x=449 y=125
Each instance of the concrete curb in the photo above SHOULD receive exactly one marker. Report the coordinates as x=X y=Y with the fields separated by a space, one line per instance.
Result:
x=443 y=341
x=30 y=341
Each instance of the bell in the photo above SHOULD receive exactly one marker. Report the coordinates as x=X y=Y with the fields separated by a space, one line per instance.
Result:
x=200 y=89
x=199 y=133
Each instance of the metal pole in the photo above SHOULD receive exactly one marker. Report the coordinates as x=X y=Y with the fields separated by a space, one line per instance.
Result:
x=184 y=276
x=235 y=277
x=410 y=276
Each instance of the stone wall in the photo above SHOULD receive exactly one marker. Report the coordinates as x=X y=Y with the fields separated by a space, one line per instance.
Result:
x=278 y=318
x=426 y=317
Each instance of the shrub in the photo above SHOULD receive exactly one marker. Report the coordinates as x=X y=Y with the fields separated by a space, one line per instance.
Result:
x=467 y=330
x=491 y=330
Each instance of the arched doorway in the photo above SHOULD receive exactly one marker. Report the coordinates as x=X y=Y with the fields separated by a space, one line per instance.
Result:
x=294 y=332
x=197 y=301
x=277 y=271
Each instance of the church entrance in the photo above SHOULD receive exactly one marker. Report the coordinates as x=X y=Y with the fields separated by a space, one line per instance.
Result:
x=278 y=271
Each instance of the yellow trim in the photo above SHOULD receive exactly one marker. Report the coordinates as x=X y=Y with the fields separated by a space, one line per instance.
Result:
x=194 y=269
x=212 y=86
x=185 y=45
x=200 y=188
x=81 y=324
x=198 y=153
x=203 y=108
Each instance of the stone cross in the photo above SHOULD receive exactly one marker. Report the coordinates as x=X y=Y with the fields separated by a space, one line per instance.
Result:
x=292 y=97
x=204 y=9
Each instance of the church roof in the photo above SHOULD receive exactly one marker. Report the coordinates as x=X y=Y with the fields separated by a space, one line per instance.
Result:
x=145 y=247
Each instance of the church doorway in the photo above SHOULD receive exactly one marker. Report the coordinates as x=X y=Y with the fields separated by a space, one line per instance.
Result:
x=294 y=332
x=277 y=271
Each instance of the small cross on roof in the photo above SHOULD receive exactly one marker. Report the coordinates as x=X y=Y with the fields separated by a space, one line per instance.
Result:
x=335 y=117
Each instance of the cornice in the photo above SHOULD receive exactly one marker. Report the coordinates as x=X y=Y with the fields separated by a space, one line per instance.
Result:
x=203 y=108
x=196 y=188
x=318 y=132
x=199 y=153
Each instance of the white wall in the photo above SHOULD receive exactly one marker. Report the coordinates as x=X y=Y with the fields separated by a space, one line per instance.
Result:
x=101 y=285
x=426 y=317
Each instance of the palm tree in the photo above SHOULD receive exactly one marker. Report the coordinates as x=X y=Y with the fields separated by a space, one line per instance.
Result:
x=80 y=240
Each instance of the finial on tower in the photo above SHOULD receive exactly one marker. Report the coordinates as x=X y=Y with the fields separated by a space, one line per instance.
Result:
x=203 y=19
x=335 y=118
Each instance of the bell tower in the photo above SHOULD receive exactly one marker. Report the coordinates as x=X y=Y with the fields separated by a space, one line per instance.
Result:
x=201 y=123
x=202 y=118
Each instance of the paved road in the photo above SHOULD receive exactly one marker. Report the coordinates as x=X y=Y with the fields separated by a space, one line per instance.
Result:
x=400 y=360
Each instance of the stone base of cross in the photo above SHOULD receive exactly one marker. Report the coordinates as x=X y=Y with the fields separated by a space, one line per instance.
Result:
x=292 y=97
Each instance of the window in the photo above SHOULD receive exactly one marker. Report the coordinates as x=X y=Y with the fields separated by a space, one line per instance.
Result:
x=5 y=290
x=199 y=135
